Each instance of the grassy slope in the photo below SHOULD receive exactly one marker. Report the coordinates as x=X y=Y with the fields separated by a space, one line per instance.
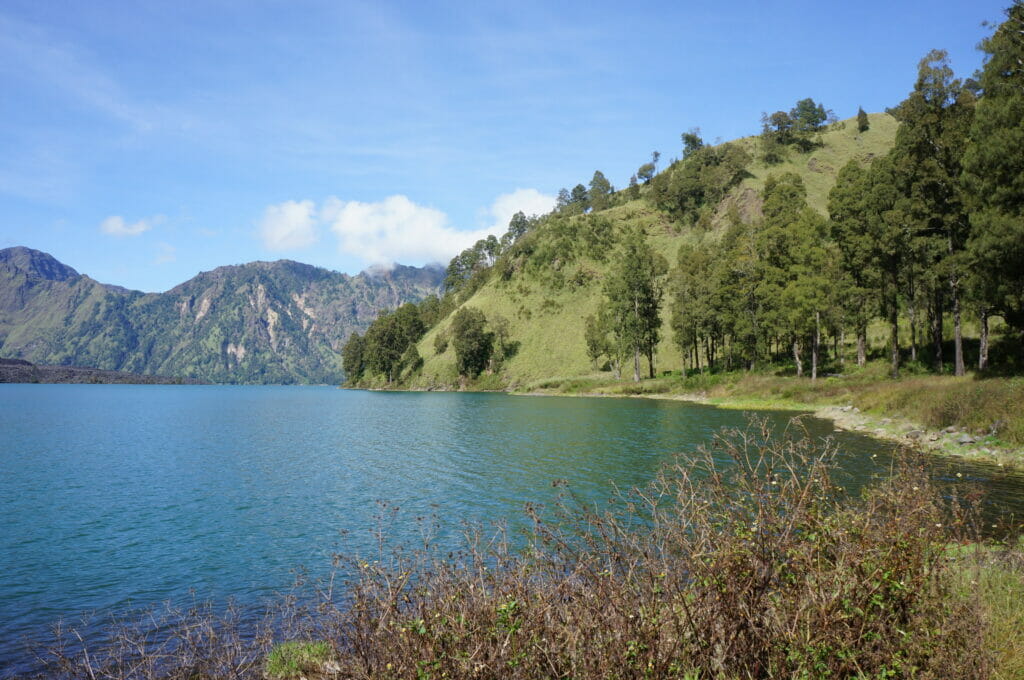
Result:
x=550 y=335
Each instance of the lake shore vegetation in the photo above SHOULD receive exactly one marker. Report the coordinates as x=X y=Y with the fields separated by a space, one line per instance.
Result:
x=746 y=561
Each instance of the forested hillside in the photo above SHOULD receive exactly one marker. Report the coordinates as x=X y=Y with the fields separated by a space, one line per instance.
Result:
x=538 y=285
x=262 y=322
x=815 y=246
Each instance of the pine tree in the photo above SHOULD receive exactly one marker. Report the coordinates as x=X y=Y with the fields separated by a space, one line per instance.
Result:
x=352 y=361
x=600 y=191
x=634 y=188
x=994 y=174
x=634 y=294
x=935 y=119
x=889 y=237
x=472 y=342
x=863 y=124
x=694 y=297
x=849 y=230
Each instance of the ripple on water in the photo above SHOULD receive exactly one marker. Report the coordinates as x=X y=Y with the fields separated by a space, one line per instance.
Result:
x=118 y=495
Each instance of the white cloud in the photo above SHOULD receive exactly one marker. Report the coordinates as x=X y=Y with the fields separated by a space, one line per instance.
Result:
x=289 y=225
x=392 y=230
x=395 y=230
x=115 y=225
x=529 y=201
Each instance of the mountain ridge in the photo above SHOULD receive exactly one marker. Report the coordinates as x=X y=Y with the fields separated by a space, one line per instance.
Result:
x=279 y=321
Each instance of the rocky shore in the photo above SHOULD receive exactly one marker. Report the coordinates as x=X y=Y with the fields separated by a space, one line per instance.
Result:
x=949 y=441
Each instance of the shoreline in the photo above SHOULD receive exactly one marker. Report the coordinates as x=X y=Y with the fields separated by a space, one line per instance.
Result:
x=949 y=442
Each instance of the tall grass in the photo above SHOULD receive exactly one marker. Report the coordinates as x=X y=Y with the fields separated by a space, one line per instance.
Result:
x=748 y=562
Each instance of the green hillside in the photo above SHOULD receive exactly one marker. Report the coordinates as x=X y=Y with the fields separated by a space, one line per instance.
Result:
x=262 y=322
x=548 y=293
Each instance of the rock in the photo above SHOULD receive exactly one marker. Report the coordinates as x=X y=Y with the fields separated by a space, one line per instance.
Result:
x=933 y=437
x=855 y=410
x=915 y=434
x=950 y=430
x=886 y=421
x=965 y=439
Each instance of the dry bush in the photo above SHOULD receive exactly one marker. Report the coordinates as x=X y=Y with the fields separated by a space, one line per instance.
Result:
x=169 y=643
x=748 y=562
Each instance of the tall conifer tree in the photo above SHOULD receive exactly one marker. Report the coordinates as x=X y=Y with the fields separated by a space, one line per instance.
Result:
x=994 y=174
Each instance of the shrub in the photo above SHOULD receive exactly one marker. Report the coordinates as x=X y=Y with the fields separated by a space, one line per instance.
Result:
x=748 y=562
x=752 y=563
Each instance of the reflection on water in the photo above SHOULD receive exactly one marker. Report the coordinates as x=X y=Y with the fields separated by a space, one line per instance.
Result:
x=128 y=494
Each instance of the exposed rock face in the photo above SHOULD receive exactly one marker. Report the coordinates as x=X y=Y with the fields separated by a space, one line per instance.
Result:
x=273 y=322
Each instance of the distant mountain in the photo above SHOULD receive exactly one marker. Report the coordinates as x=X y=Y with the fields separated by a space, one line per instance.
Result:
x=21 y=371
x=262 y=322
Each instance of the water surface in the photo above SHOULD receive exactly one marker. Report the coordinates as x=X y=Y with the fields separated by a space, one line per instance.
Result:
x=114 y=496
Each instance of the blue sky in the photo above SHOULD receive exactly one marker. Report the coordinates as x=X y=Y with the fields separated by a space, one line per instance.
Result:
x=143 y=142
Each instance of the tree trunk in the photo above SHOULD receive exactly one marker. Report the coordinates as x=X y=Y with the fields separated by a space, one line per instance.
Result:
x=912 y=312
x=815 y=346
x=983 y=341
x=894 y=325
x=636 y=365
x=617 y=365
x=839 y=340
x=958 y=340
x=862 y=344
x=650 y=362
x=796 y=358
x=938 y=329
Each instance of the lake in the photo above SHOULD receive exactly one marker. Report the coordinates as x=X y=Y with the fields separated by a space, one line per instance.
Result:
x=118 y=496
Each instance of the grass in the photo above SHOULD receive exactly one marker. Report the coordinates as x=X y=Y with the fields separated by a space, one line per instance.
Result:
x=548 y=321
x=295 y=659
x=999 y=581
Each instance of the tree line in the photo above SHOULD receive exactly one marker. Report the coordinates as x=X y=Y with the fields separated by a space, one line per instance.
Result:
x=928 y=233
x=388 y=352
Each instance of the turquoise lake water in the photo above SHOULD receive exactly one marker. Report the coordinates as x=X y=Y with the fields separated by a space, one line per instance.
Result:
x=121 y=496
